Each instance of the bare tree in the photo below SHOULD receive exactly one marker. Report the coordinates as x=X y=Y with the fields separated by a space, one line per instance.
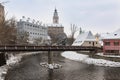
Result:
x=81 y=31
x=61 y=39
x=38 y=41
x=22 y=38
x=53 y=38
x=8 y=31
x=73 y=29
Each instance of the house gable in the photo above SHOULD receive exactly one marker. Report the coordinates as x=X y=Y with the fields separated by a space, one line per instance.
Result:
x=87 y=36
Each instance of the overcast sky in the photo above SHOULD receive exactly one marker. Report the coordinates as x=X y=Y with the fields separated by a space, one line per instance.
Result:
x=96 y=15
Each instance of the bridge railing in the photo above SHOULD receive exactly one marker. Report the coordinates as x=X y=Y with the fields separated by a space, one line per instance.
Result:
x=44 y=48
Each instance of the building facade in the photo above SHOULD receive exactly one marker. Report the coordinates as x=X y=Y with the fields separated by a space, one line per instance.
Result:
x=111 y=43
x=35 y=30
x=111 y=46
x=55 y=28
x=2 y=12
x=86 y=39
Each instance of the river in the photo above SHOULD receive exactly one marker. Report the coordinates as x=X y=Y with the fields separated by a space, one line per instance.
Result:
x=29 y=69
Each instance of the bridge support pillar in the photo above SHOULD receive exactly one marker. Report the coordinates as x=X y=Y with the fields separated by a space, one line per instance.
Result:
x=2 y=59
x=93 y=52
x=50 y=61
x=51 y=74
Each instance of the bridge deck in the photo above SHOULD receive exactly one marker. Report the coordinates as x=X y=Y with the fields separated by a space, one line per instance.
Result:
x=5 y=48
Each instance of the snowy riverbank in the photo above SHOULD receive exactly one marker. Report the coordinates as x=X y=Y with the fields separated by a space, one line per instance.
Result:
x=10 y=62
x=3 y=71
x=13 y=59
x=85 y=59
x=101 y=54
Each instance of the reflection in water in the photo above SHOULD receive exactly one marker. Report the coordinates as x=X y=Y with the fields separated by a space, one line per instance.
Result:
x=50 y=73
x=112 y=74
x=30 y=69
x=78 y=71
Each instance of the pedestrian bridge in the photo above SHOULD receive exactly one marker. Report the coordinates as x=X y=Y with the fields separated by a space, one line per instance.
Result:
x=8 y=48
x=17 y=48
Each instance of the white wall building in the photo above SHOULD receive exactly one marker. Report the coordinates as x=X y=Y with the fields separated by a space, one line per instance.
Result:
x=86 y=39
x=34 y=29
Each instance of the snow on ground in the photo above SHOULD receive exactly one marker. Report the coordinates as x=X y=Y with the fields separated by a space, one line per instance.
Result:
x=3 y=71
x=85 y=59
x=101 y=54
x=74 y=56
x=13 y=59
x=10 y=62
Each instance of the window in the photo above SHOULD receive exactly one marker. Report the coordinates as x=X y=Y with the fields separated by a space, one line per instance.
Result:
x=107 y=43
x=96 y=42
x=89 y=42
x=27 y=24
x=116 y=43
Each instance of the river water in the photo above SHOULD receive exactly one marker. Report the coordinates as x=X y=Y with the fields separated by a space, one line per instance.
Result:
x=30 y=69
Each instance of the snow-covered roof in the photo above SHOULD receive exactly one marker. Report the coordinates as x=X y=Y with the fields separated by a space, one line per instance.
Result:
x=87 y=36
x=103 y=35
x=117 y=31
x=114 y=35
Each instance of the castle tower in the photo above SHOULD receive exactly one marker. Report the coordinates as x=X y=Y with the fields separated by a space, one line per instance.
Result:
x=55 y=17
x=56 y=30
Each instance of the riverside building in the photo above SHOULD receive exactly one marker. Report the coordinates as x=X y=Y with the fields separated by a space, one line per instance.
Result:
x=86 y=39
x=111 y=43
x=34 y=29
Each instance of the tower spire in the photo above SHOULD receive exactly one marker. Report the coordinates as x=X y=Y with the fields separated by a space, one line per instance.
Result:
x=55 y=17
